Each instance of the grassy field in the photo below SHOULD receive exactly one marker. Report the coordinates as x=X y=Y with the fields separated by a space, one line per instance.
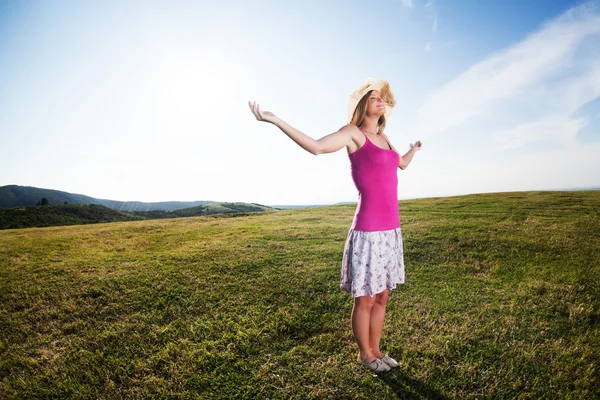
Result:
x=502 y=300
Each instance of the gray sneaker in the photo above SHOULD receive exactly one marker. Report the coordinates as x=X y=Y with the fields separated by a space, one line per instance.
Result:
x=376 y=366
x=389 y=361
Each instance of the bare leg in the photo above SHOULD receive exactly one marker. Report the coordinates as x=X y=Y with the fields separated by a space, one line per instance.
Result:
x=361 y=321
x=376 y=323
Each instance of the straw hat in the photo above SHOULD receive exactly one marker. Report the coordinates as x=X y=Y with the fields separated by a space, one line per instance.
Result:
x=383 y=87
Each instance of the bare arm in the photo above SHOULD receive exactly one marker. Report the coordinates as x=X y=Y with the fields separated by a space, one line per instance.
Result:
x=406 y=158
x=327 y=144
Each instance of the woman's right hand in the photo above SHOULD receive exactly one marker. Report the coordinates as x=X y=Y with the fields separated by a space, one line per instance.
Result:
x=265 y=116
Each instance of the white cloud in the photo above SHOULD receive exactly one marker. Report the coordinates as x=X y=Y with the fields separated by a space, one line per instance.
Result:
x=433 y=14
x=559 y=129
x=552 y=74
x=408 y=3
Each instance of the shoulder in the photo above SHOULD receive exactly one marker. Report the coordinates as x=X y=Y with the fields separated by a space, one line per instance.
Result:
x=387 y=139
x=351 y=130
x=355 y=137
x=390 y=143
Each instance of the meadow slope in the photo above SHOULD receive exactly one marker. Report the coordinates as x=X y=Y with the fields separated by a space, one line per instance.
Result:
x=501 y=301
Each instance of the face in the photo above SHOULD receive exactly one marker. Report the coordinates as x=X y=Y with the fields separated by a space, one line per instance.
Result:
x=375 y=104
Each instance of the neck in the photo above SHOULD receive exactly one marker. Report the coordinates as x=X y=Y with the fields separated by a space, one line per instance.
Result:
x=370 y=124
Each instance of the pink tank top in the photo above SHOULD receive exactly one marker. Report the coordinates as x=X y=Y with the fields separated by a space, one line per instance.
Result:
x=375 y=174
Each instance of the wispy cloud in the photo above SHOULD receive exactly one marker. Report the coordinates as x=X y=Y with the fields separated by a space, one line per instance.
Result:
x=408 y=3
x=433 y=14
x=538 y=84
x=559 y=129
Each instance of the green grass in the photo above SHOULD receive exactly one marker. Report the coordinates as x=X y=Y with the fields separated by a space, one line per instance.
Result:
x=501 y=301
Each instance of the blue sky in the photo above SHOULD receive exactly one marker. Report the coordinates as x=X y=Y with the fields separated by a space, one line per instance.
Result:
x=141 y=100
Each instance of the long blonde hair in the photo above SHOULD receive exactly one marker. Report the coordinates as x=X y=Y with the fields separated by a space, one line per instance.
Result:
x=360 y=112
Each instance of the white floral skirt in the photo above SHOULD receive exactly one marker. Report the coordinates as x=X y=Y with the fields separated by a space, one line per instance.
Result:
x=372 y=262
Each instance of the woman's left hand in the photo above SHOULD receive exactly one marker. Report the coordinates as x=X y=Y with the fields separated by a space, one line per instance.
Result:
x=417 y=145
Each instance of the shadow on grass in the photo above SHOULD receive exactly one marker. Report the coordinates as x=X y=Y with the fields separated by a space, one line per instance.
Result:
x=406 y=387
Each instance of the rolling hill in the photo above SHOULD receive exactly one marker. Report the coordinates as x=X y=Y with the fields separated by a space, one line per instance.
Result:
x=17 y=196
x=77 y=214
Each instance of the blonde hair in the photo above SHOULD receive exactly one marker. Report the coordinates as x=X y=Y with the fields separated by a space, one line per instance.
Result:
x=360 y=112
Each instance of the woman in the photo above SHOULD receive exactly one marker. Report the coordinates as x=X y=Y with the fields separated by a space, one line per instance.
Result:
x=373 y=254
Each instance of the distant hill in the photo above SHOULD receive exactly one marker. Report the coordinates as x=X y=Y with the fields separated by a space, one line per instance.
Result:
x=76 y=214
x=61 y=214
x=208 y=209
x=292 y=207
x=17 y=196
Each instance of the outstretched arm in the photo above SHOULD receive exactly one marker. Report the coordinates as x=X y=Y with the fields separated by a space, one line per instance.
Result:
x=406 y=158
x=327 y=144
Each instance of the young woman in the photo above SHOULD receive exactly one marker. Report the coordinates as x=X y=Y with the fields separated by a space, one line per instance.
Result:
x=373 y=259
